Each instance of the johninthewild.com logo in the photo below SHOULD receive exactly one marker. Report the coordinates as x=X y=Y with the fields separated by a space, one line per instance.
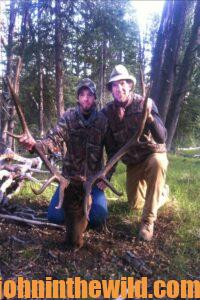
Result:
x=127 y=287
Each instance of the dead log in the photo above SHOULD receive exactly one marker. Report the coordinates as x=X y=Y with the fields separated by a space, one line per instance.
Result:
x=31 y=222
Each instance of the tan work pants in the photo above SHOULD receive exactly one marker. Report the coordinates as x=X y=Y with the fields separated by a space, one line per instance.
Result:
x=144 y=184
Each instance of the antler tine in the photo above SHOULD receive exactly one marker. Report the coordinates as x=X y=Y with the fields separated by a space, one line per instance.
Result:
x=112 y=188
x=63 y=185
x=88 y=189
x=16 y=136
x=144 y=115
x=45 y=185
x=18 y=108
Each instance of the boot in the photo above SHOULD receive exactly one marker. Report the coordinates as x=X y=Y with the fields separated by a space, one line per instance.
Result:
x=146 y=231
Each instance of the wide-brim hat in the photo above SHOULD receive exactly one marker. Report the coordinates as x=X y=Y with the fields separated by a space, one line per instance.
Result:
x=87 y=83
x=120 y=72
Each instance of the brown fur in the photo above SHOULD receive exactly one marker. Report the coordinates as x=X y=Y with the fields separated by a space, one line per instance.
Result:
x=76 y=222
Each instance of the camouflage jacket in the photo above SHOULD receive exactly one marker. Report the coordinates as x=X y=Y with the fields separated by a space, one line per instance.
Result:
x=84 y=140
x=120 y=131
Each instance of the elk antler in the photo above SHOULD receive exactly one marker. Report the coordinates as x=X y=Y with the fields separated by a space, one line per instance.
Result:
x=56 y=174
x=134 y=141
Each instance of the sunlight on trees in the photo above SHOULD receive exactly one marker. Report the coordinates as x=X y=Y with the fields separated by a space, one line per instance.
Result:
x=87 y=38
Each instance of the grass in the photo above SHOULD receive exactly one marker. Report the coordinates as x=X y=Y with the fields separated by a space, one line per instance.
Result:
x=180 y=243
x=183 y=179
x=26 y=194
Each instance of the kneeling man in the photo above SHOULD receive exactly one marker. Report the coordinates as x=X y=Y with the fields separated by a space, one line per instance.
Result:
x=147 y=163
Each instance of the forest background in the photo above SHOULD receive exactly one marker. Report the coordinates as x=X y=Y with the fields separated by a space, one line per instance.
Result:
x=59 y=42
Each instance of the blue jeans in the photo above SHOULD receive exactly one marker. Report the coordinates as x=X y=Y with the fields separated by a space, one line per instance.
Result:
x=98 y=212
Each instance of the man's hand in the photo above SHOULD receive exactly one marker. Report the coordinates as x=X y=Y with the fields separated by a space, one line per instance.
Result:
x=101 y=185
x=150 y=118
x=28 y=142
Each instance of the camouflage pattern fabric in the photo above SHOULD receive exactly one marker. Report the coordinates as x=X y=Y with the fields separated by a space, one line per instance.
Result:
x=120 y=131
x=84 y=140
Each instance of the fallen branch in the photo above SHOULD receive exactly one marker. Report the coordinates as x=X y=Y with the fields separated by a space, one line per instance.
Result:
x=15 y=239
x=189 y=148
x=31 y=222
x=26 y=215
x=137 y=263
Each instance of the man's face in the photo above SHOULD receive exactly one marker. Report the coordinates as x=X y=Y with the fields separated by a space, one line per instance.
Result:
x=120 y=90
x=86 y=99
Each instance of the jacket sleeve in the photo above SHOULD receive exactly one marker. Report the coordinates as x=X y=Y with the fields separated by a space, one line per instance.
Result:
x=55 y=138
x=157 y=127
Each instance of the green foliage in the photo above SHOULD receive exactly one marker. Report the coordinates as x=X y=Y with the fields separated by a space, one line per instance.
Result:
x=187 y=133
x=95 y=34
x=118 y=181
x=86 y=27
x=189 y=123
x=27 y=192
x=183 y=178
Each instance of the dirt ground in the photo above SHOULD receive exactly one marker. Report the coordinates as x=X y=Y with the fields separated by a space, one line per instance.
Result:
x=38 y=252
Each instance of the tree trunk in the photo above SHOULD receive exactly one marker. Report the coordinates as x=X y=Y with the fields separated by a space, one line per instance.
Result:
x=12 y=111
x=142 y=64
x=9 y=54
x=41 y=77
x=171 y=57
x=159 y=50
x=10 y=36
x=41 y=101
x=183 y=78
x=102 y=73
x=59 y=59
x=1 y=107
x=167 y=56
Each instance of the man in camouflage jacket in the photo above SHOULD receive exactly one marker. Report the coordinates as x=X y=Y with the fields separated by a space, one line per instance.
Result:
x=82 y=130
x=147 y=163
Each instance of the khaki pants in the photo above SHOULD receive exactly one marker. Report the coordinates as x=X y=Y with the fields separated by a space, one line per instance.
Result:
x=144 y=184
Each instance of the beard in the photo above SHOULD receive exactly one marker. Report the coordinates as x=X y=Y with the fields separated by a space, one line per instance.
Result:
x=86 y=111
